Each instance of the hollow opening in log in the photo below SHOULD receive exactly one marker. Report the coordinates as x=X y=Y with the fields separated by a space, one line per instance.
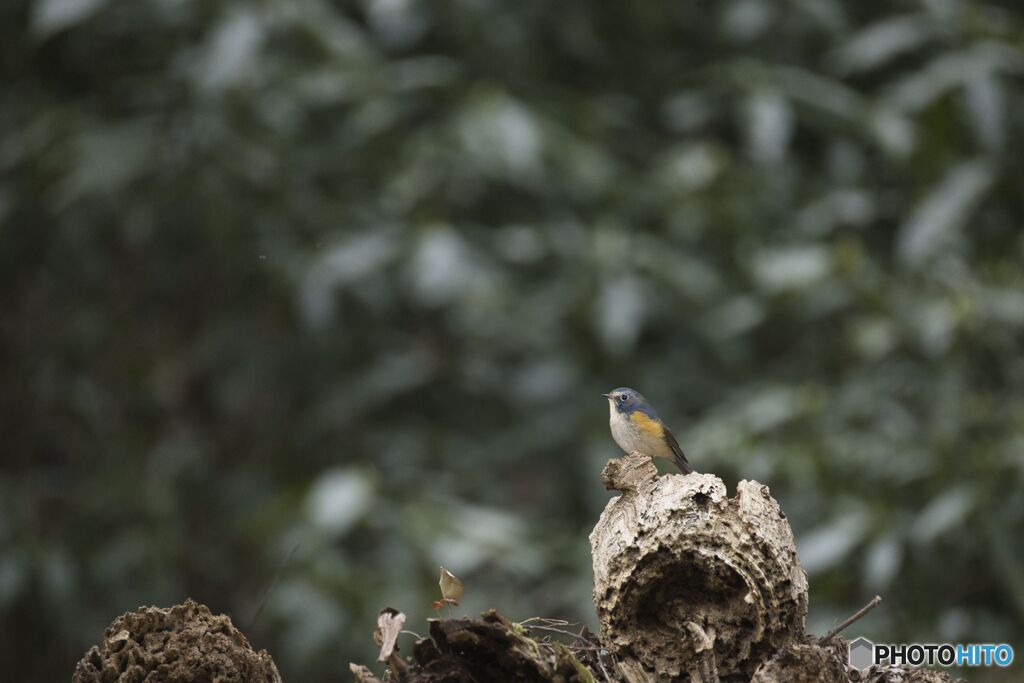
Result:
x=689 y=588
x=691 y=591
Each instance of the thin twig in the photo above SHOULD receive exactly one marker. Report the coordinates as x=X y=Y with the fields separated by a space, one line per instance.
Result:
x=270 y=587
x=604 y=672
x=588 y=644
x=549 y=622
x=857 y=615
x=563 y=631
x=600 y=650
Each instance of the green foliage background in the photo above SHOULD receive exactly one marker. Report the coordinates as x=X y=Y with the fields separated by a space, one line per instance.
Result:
x=346 y=279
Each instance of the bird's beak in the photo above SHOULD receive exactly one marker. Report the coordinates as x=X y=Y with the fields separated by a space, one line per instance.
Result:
x=607 y=395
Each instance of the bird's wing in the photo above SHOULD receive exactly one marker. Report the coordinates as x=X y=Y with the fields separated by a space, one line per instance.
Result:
x=677 y=453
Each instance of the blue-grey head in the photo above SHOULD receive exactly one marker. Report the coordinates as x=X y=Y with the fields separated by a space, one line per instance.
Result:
x=626 y=400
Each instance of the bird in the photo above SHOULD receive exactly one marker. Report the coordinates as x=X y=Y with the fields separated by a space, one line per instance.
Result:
x=637 y=427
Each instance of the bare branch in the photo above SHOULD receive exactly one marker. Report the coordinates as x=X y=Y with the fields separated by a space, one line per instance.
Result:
x=857 y=615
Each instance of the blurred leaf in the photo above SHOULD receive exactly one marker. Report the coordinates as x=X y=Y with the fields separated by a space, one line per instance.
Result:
x=821 y=93
x=883 y=562
x=501 y=135
x=346 y=264
x=51 y=16
x=943 y=211
x=693 y=167
x=746 y=19
x=942 y=514
x=950 y=71
x=769 y=126
x=986 y=100
x=108 y=159
x=793 y=267
x=338 y=499
x=620 y=313
x=230 y=52
x=879 y=43
x=443 y=267
x=832 y=542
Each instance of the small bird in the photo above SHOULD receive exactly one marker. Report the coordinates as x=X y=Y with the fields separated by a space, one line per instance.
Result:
x=636 y=427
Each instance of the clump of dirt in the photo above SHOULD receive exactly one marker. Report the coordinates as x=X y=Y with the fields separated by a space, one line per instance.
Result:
x=183 y=644
x=491 y=648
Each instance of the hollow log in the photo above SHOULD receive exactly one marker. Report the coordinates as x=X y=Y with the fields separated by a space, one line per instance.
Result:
x=689 y=582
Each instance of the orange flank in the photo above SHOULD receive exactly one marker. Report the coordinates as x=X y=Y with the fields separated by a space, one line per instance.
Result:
x=645 y=424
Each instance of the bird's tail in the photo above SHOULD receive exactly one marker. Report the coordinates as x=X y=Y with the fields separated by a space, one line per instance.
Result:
x=681 y=462
x=678 y=457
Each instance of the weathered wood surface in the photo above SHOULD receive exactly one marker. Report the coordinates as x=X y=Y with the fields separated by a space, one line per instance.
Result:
x=691 y=582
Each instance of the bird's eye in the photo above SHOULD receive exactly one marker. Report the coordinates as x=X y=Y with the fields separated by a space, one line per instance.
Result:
x=622 y=398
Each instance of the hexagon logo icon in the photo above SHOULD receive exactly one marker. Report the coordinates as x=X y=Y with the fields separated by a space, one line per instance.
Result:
x=862 y=653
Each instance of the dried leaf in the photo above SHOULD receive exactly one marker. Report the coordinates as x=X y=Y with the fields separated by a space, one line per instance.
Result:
x=451 y=587
x=389 y=624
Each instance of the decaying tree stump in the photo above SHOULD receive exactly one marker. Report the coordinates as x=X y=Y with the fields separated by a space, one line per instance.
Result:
x=689 y=585
x=690 y=582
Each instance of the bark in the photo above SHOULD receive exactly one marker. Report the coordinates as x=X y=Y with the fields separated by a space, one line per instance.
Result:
x=690 y=582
